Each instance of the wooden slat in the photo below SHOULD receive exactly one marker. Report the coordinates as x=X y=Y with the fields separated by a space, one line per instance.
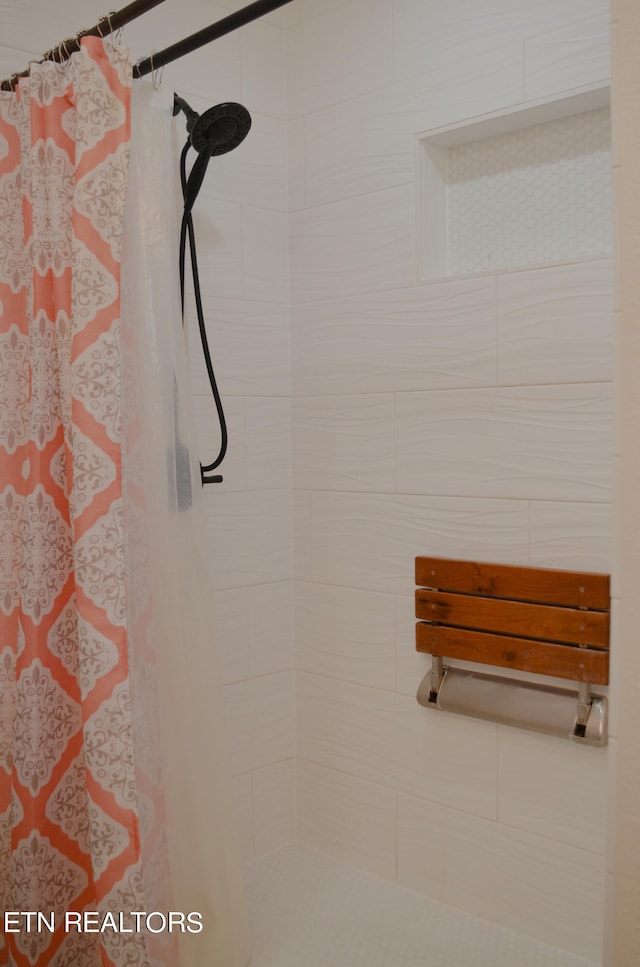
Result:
x=535 y=657
x=572 y=588
x=514 y=617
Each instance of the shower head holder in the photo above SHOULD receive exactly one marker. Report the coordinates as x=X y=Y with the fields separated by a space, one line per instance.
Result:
x=220 y=129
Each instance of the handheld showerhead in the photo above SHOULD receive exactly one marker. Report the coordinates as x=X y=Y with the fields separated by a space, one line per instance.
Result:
x=220 y=129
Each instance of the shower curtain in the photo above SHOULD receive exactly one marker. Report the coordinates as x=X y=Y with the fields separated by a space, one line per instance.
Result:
x=116 y=825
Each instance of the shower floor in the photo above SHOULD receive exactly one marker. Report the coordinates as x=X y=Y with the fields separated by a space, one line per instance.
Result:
x=310 y=910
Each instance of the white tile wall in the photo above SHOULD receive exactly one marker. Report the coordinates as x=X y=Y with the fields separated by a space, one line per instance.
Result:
x=274 y=800
x=369 y=541
x=348 y=818
x=343 y=443
x=501 y=393
x=258 y=715
x=346 y=634
x=456 y=30
x=567 y=57
x=545 y=787
x=576 y=536
x=331 y=58
x=503 y=874
x=361 y=244
x=268 y=442
x=418 y=338
x=536 y=442
x=232 y=325
x=386 y=738
x=243 y=801
x=555 y=325
x=367 y=143
x=251 y=534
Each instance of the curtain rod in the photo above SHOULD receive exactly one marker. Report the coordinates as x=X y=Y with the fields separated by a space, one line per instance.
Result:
x=105 y=26
x=203 y=37
x=113 y=21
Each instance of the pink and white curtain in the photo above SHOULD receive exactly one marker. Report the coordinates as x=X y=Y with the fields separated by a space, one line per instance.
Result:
x=114 y=794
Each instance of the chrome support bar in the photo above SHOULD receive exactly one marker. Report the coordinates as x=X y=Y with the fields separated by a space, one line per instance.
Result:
x=581 y=717
x=435 y=680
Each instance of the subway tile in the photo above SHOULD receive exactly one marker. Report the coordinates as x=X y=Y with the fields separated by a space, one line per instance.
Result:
x=348 y=818
x=265 y=259
x=370 y=541
x=555 y=325
x=251 y=535
x=386 y=738
x=232 y=634
x=232 y=327
x=259 y=721
x=361 y=244
x=274 y=798
x=355 y=65
x=243 y=802
x=568 y=57
x=344 y=633
x=443 y=32
x=301 y=535
x=538 y=442
x=207 y=427
x=574 y=536
x=270 y=627
x=368 y=143
x=553 y=788
x=431 y=336
x=528 y=883
x=343 y=443
x=268 y=437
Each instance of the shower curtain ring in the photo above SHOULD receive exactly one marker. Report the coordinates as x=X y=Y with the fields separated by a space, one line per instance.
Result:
x=156 y=72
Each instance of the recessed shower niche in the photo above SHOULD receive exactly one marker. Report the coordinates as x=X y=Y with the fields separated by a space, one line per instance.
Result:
x=526 y=187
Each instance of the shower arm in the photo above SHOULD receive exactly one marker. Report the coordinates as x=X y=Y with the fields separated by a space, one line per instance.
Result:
x=117 y=19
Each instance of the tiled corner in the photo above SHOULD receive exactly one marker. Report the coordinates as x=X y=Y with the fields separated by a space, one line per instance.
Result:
x=345 y=633
x=343 y=443
x=243 y=802
x=348 y=818
x=270 y=612
x=274 y=806
x=259 y=717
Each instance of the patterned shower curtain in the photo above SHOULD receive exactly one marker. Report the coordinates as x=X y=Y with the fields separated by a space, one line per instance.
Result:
x=70 y=802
